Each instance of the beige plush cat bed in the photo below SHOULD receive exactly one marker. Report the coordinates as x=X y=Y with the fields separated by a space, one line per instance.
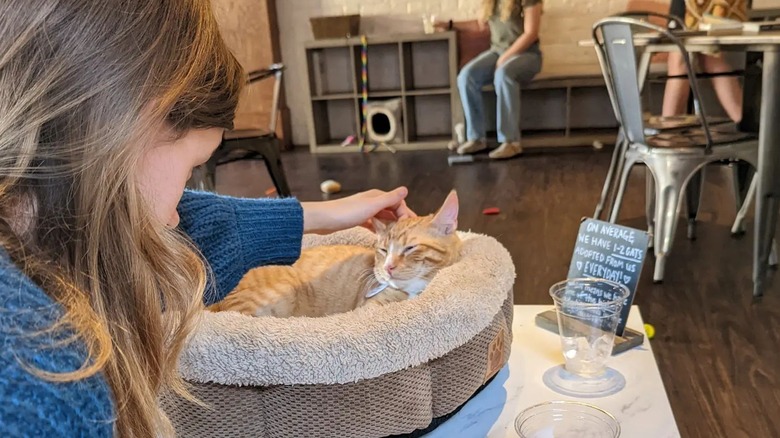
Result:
x=373 y=372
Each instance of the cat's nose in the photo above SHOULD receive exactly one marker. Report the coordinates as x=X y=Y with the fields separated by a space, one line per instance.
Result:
x=389 y=269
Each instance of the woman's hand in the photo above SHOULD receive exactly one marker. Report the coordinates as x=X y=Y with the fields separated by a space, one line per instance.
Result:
x=502 y=60
x=532 y=17
x=356 y=210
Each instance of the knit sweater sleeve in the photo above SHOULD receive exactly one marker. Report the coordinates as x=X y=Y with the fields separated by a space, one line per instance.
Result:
x=31 y=406
x=236 y=235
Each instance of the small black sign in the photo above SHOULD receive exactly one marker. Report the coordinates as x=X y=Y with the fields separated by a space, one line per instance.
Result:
x=610 y=252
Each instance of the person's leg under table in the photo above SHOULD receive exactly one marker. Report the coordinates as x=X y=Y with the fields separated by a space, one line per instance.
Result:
x=677 y=90
x=727 y=88
x=768 y=188
x=510 y=77
x=475 y=75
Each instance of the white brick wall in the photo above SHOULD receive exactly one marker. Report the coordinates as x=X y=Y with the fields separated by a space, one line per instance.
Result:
x=563 y=24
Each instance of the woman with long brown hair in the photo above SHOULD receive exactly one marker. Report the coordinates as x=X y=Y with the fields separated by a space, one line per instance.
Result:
x=514 y=58
x=105 y=108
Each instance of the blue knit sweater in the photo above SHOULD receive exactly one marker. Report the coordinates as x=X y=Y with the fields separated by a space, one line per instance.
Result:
x=234 y=236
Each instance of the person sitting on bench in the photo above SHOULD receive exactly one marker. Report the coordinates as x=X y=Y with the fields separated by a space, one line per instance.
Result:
x=514 y=58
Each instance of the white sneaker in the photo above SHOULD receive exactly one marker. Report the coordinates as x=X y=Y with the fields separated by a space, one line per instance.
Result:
x=507 y=150
x=472 y=147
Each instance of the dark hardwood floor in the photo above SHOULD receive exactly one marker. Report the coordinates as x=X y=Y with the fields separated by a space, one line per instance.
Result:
x=719 y=353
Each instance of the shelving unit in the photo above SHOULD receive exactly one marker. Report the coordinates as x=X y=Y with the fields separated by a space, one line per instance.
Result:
x=335 y=118
x=419 y=69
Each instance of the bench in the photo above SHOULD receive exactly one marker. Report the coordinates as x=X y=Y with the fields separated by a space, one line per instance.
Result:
x=560 y=111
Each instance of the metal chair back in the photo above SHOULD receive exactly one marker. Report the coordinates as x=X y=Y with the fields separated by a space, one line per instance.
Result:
x=614 y=41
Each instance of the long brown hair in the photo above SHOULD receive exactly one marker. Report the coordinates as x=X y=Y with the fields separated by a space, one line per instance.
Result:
x=84 y=88
x=509 y=8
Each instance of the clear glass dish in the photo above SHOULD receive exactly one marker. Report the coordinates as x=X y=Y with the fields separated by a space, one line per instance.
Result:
x=566 y=419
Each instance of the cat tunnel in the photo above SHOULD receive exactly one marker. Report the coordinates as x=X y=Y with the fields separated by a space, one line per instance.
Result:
x=384 y=122
x=378 y=371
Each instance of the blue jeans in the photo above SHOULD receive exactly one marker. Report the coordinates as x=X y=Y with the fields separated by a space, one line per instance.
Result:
x=507 y=81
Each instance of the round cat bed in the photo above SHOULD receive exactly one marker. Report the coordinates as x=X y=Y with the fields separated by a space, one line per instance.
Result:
x=377 y=371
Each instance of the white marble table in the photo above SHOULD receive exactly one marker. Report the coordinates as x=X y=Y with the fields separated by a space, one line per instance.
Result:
x=642 y=408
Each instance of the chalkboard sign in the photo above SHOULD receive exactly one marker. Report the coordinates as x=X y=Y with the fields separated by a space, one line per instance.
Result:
x=610 y=252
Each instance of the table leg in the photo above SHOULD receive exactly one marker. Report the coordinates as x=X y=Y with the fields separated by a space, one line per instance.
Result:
x=768 y=188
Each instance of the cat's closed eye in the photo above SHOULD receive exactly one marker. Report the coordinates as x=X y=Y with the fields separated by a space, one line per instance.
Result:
x=382 y=251
x=409 y=249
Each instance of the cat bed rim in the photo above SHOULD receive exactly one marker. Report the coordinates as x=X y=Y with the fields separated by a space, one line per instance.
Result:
x=234 y=349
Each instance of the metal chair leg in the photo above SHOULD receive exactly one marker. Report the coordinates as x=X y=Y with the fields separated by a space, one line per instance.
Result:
x=621 y=164
x=692 y=200
x=650 y=206
x=739 y=221
x=625 y=165
x=610 y=176
x=670 y=174
x=743 y=173
x=766 y=219
x=744 y=182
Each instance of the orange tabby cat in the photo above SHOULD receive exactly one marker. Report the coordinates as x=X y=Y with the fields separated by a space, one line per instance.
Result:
x=335 y=279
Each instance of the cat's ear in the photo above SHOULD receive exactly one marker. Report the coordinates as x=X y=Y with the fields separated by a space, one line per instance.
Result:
x=446 y=219
x=379 y=226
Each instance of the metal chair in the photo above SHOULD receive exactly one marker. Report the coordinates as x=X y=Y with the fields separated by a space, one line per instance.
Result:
x=742 y=171
x=654 y=124
x=250 y=144
x=673 y=157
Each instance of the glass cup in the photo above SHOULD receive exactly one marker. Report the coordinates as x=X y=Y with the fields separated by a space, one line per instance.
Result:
x=588 y=314
x=566 y=419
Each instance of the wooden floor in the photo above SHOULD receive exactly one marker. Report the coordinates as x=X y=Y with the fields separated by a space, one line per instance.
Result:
x=719 y=352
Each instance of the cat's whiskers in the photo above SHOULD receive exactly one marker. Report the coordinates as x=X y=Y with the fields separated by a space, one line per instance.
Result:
x=366 y=277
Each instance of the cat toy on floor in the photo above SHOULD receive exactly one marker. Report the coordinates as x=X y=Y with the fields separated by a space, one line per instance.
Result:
x=465 y=159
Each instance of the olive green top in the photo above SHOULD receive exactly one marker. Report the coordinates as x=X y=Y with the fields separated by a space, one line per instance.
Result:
x=504 y=33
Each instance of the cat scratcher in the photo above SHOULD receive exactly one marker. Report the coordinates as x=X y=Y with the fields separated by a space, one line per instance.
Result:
x=375 y=372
